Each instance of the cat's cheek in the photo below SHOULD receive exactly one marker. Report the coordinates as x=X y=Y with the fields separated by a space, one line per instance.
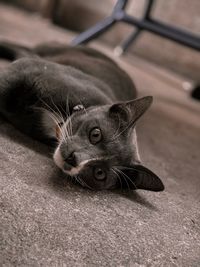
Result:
x=58 y=158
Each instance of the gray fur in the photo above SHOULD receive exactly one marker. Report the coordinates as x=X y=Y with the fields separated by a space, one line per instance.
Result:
x=61 y=98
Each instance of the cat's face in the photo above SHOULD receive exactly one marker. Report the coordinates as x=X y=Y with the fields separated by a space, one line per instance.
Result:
x=98 y=147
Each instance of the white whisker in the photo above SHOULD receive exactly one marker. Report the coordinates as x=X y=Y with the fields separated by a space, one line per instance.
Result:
x=127 y=177
x=118 y=176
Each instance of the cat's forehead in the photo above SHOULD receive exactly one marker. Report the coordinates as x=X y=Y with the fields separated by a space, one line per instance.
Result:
x=93 y=115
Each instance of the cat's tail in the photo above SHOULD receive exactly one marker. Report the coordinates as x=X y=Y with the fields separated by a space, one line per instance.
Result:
x=12 y=51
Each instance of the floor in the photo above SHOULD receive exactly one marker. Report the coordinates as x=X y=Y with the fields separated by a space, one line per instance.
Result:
x=47 y=221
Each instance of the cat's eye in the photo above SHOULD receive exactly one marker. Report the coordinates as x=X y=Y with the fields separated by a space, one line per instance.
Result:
x=99 y=174
x=95 y=136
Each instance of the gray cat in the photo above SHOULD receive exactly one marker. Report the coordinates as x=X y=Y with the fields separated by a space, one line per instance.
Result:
x=83 y=104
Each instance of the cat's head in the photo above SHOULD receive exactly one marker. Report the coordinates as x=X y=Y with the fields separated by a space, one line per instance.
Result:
x=98 y=147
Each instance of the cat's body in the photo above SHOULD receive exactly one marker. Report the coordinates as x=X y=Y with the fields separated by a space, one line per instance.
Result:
x=80 y=101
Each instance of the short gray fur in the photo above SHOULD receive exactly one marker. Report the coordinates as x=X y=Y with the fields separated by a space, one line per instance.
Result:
x=43 y=98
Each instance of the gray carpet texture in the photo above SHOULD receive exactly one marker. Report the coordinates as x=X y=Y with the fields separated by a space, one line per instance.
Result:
x=48 y=221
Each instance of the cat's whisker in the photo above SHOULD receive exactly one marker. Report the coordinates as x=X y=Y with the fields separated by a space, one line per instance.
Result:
x=80 y=181
x=132 y=168
x=59 y=128
x=66 y=132
x=52 y=116
x=63 y=130
x=67 y=111
x=52 y=110
x=122 y=176
x=69 y=116
x=85 y=184
x=124 y=130
x=62 y=108
x=116 y=132
x=55 y=117
x=68 y=127
x=59 y=112
x=64 y=137
x=76 y=179
x=118 y=176
x=127 y=178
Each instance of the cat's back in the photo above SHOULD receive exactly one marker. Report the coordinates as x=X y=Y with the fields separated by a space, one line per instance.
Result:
x=89 y=61
x=92 y=62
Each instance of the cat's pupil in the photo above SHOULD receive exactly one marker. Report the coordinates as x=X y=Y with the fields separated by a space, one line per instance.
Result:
x=95 y=136
x=99 y=174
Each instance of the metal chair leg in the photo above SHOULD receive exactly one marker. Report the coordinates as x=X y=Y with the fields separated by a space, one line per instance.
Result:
x=93 y=32
x=146 y=23
x=100 y=27
x=123 y=47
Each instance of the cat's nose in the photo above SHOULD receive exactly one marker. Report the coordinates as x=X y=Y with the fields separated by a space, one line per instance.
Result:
x=71 y=160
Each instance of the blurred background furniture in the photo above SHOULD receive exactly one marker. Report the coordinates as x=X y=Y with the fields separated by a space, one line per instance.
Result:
x=146 y=23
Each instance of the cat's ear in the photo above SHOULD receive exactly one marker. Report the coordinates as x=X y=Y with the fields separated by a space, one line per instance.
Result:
x=140 y=177
x=130 y=111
